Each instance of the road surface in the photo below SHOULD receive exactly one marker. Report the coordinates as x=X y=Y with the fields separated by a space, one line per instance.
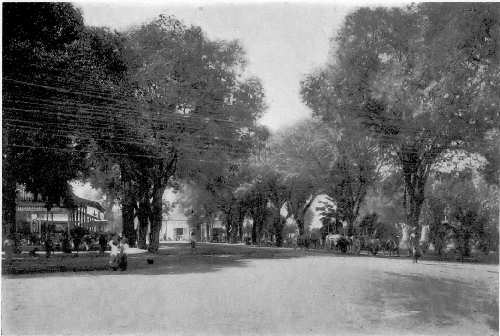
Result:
x=223 y=292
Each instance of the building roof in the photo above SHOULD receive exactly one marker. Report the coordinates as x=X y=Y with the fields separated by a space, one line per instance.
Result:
x=79 y=202
x=70 y=200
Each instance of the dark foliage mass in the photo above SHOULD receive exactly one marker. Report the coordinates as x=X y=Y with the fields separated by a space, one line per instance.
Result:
x=132 y=112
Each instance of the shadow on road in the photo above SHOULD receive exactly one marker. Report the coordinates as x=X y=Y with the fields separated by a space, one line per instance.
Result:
x=434 y=300
x=178 y=258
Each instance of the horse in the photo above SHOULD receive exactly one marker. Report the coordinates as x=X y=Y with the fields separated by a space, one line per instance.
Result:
x=373 y=245
x=390 y=247
x=343 y=244
x=337 y=242
x=355 y=245
x=331 y=240
x=303 y=241
x=315 y=238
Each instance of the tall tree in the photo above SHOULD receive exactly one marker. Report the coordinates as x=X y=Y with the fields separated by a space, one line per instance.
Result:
x=225 y=192
x=54 y=83
x=424 y=79
x=224 y=189
x=192 y=105
x=301 y=155
x=276 y=185
x=263 y=199
x=462 y=203
x=355 y=170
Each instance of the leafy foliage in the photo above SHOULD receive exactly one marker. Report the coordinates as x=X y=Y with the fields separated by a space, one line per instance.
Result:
x=471 y=210
x=421 y=78
x=371 y=226
x=191 y=107
x=78 y=233
x=50 y=76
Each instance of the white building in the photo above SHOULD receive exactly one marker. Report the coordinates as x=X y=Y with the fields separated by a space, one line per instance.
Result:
x=32 y=215
x=175 y=226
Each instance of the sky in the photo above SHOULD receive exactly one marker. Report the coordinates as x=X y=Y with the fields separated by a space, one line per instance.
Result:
x=283 y=41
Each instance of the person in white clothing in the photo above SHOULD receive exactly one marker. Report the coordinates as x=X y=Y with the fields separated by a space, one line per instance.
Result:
x=122 y=256
x=113 y=256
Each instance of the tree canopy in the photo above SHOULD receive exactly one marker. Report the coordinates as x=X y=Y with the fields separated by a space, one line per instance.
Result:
x=55 y=73
x=192 y=106
x=423 y=79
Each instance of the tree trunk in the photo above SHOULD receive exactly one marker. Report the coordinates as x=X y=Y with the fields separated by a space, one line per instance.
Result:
x=414 y=202
x=300 y=214
x=156 y=217
x=8 y=204
x=143 y=217
x=241 y=219
x=260 y=227
x=278 y=229
x=300 y=225
x=128 y=207
x=415 y=173
x=229 y=226
x=350 y=226
x=207 y=232
x=254 y=231
x=240 y=232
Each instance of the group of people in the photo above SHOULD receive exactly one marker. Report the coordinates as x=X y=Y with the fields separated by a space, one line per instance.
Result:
x=118 y=255
x=355 y=244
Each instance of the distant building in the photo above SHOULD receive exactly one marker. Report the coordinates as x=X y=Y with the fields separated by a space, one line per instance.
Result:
x=176 y=227
x=212 y=232
x=32 y=215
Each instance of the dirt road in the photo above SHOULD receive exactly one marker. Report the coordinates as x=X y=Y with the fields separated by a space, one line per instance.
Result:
x=213 y=293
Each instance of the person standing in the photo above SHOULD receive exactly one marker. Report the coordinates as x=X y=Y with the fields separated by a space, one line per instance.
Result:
x=122 y=257
x=8 y=248
x=66 y=245
x=412 y=240
x=48 y=246
x=417 y=252
x=102 y=243
x=193 y=241
x=113 y=255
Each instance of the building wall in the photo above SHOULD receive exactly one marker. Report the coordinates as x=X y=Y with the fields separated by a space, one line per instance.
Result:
x=95 y=213
x=172 y=229
x=174 y=222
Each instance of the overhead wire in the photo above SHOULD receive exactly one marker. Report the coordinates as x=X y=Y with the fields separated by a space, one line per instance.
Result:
x=123 y=110
x=94 y=112
x=105 y=126
x=184 y=148
x=105 y=152
x=78 y=130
